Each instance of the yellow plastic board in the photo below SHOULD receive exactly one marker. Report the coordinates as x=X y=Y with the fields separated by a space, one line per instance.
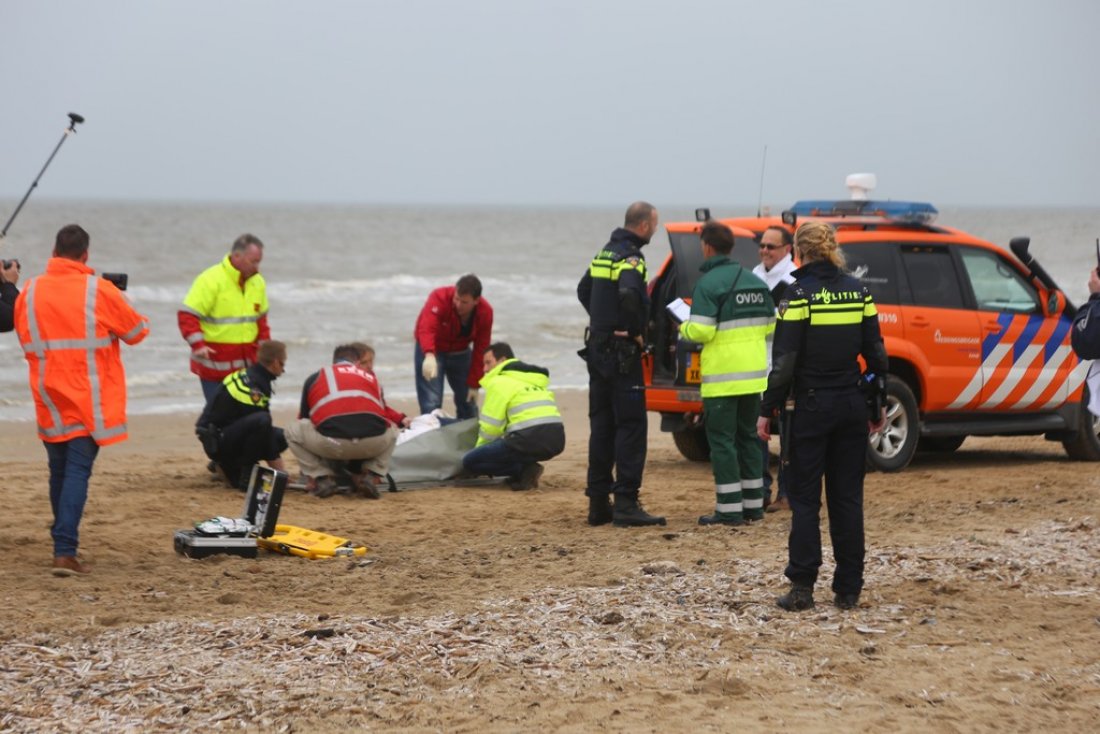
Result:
x=296 y=541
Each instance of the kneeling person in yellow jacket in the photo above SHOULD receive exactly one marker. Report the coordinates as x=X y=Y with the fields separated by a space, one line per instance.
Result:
x=519 y=424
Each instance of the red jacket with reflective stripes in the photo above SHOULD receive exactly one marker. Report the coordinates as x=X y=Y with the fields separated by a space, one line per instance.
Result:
x=69 y=322
x=439 y=330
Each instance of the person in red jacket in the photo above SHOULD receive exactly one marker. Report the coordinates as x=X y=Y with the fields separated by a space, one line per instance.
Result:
x=70 y=322
x=453 y=318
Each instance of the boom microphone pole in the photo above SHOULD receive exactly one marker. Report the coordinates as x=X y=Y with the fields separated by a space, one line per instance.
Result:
x=74 y=120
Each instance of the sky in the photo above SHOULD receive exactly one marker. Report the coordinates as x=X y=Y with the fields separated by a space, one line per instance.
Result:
x=566 y=103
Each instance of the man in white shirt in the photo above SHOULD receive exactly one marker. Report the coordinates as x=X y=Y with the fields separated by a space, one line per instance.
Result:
x=775 y=268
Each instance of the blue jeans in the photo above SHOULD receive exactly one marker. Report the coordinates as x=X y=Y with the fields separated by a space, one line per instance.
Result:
x=210 y=388
x=70 y=469
x=496 y=459
x=455 y=366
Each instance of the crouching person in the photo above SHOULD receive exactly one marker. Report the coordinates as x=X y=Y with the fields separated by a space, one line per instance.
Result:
x=235 y=427
x=519 y=424
x=343 y=418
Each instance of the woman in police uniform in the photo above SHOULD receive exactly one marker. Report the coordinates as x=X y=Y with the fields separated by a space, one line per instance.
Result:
x=826 y=320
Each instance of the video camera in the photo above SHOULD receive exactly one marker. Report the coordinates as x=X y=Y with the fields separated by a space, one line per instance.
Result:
x=119 y=279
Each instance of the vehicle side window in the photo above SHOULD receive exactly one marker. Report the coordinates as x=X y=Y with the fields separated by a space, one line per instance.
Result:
x=932 y=277
x=873 y=264
x=997 y=285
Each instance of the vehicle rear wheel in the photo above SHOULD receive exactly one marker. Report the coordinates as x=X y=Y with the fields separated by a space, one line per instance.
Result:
x=892 y=448
x=1085 y=444
x=693 y=443
x=940 y=444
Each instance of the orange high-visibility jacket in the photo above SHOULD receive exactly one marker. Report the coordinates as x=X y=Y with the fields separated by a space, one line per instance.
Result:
x=69 y=322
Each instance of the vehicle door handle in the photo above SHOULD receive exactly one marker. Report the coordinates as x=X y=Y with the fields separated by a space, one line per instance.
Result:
x=993 y=327
x=920 y=322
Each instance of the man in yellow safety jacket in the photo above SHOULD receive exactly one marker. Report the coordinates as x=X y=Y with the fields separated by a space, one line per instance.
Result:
x=519 y=424
x=224 y=316
x=731 y=315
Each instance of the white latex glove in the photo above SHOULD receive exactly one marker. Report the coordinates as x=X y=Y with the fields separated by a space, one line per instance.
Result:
x=430 y=368
x=471 y=396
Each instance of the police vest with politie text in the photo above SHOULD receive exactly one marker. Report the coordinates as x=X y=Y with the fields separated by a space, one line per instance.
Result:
x=824 y=358
x=614 y=294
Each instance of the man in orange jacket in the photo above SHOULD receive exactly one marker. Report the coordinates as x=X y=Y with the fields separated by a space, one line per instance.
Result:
x=69 y=322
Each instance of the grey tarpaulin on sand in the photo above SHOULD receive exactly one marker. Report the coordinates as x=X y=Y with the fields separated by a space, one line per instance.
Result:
x=434 y=455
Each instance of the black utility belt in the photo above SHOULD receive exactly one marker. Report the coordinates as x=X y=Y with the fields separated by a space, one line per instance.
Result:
x=806 y=391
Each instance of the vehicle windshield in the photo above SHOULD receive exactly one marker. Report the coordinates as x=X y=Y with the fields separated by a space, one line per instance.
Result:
x=687 y=253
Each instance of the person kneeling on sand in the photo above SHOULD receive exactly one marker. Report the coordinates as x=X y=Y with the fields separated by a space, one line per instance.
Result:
x=519 y=424
x=235 y=426
x=343 y=418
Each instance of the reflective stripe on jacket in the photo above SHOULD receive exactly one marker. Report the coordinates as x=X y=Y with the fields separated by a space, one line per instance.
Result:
x=732 y=315
x=69 y=322
x=231 y=319
x=343 y=389
x=517 y=397
x=240 y=388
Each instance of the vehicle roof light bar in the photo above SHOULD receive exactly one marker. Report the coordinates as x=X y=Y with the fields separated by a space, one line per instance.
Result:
x=914 y=212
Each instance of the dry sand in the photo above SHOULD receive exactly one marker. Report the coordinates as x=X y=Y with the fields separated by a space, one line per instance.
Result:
x=482 y=609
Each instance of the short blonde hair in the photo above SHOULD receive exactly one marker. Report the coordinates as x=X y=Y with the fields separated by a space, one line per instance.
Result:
x=817 y=241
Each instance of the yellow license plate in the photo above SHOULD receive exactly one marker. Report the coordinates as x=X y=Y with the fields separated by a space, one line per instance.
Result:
x=694 y=373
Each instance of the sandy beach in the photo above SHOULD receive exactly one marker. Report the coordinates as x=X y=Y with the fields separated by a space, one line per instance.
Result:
x=483 y=609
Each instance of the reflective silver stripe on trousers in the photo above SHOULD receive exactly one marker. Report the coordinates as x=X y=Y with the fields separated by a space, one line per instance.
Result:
x=334 y=394
x=752 y=483
x=532 y=422
x=742 y=323
x=727 y=488
x=516 y=409
x=754 y=504
x=730 y=507
x=730 y=376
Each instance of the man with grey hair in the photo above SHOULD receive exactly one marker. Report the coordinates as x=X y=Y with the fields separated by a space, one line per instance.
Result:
x=224 y=316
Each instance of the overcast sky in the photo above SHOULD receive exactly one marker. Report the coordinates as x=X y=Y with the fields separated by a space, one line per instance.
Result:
x=574 y=102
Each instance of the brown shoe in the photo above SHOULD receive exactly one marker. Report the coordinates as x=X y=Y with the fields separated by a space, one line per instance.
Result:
x=69 y=566
x=779 y=504
x=366 y=485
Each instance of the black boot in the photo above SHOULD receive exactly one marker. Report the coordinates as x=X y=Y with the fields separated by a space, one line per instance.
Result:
x=629 y=513
x=798 y=599
x=599 y=510
x=846 y=601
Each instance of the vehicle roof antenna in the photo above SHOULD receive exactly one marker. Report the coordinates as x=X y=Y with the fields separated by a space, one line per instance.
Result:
x=760 y=197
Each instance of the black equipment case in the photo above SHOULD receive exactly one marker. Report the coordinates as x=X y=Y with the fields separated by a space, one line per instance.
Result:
x=261 y=510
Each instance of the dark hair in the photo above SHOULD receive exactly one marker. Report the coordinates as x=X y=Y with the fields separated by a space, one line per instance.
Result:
x=271 y=351
x=718 y=236
x=501 y=350
x=468 y=285
x=349 y=352
x=638 y=214
x=363 y=348
x=246 y=240
x=788 y=238
x=72 y=242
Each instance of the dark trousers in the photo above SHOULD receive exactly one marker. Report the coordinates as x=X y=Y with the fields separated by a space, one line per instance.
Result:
x=828 y=438
x=618 y=423
x=496 y=459
x=247 y=441
x=781 y=477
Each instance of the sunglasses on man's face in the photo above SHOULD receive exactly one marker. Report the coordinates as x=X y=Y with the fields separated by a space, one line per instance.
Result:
x=771 y=247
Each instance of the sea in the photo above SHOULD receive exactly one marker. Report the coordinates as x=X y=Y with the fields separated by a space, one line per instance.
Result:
x=338 y=273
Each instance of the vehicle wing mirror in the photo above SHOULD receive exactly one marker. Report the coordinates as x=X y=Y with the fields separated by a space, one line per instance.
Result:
x=1055 y=303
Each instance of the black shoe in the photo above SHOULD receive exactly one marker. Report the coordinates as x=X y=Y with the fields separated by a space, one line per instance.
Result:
x=629 y=513
x=846 y=601
x=716 y=519
x=798 y=599
x=528 y=478
x=599 y=511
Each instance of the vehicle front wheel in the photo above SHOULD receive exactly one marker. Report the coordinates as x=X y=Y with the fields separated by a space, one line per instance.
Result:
x=692 y=443
x=1085 y=444
x=892 y=448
